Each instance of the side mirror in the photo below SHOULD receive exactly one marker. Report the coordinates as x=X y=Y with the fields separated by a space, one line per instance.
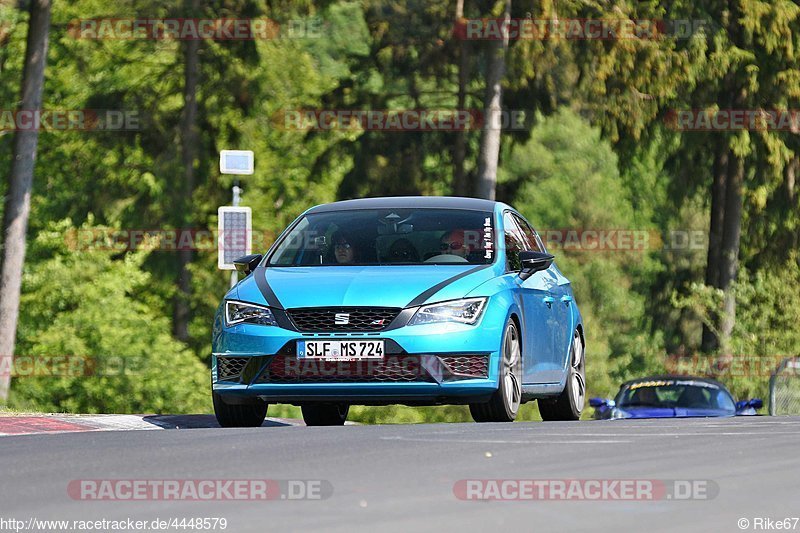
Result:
x=596 y=402
x=533 y=262
x=600 y=402
x=755 y=404
x=247 y=263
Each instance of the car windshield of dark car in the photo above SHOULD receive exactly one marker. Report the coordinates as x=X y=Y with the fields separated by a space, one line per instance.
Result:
x=388 y=237
x=676 y=394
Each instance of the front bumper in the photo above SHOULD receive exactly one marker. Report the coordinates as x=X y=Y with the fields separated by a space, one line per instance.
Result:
x=423 y=365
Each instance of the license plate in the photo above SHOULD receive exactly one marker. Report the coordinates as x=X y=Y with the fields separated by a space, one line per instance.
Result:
x=340 y=350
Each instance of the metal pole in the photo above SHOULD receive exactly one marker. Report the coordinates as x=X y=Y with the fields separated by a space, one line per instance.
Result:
x=237 y=198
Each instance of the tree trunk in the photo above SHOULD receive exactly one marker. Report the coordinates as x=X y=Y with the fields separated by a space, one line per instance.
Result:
x=460 y=183
x=492 y=114
x=189 y=141
x=720 y=169
x=729 y=252
x=791 y=176
x=20 y=183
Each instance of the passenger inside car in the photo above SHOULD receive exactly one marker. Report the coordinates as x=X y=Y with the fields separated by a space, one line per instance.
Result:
x=695 y=398
x=644 y=396
x=344 y=251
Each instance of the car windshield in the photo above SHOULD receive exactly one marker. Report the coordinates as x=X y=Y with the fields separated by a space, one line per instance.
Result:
x=388 y=237
x=676 y=393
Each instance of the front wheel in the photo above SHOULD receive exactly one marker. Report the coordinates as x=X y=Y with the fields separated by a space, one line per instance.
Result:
x=334 y=414
x=504 y=403
x=569 y=404
x=239 y=416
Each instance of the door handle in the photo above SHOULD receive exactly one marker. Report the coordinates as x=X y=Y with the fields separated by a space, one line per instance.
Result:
x=566 y=299
x=549 y=301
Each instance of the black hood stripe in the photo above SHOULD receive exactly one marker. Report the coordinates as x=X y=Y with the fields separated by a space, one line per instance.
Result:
x=269 y=295
x=423 y=297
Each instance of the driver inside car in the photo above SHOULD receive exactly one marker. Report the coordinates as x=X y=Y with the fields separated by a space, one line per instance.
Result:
x=644 y=396
x=454 y=243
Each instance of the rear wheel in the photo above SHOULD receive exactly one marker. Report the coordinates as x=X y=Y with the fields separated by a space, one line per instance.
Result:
x=329 y=414
x=504 y=403
x=239 y=416
x=569 y=404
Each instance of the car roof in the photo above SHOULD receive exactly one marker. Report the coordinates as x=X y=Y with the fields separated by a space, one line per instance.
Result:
x=674 y=377
x=406 y=202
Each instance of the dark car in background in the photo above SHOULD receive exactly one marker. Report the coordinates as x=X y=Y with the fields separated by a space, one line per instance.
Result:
x=672 y=397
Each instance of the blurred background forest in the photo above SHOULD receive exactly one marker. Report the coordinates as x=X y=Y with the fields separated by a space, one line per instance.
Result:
x=598 y=151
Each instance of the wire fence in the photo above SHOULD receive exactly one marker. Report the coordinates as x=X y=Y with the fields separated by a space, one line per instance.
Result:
x=784 y=388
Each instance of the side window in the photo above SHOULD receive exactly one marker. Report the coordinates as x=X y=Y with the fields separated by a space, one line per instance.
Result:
x=514 y=243
x=532 y=241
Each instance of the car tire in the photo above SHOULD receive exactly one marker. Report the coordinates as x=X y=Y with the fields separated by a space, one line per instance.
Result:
x=504 y=403
x=327 y=414
x=239 y=416
x=569 y=404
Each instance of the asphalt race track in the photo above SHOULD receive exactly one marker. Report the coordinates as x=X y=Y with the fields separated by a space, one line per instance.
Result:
x=402 y=478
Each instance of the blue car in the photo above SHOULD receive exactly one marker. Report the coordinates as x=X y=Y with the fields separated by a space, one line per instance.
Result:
x=673 y=397
x=408 y=300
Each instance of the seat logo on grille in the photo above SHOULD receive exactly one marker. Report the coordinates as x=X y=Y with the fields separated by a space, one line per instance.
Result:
x=341 y=318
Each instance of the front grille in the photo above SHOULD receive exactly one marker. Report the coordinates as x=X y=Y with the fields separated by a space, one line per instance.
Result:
x=467 y=365
x=324 y=319
x=394 y=368
x=230 y=368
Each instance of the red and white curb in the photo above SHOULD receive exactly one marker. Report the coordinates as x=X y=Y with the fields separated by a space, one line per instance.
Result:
x=60 y=423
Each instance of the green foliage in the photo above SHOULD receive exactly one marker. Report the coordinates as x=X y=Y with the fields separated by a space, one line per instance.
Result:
x=568 y=179
x=88 y=305
x=767 y=314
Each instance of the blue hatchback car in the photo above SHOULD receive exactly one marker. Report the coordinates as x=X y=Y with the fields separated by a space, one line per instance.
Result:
x=407 y=300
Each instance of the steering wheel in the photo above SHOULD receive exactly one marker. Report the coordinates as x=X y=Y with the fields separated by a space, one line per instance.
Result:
x=446 y=258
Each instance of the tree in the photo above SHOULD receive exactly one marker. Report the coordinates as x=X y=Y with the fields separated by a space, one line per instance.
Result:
x=20 y=183
x=754 y=66
x=460 y=182
x=189 y=146
x=492 y=115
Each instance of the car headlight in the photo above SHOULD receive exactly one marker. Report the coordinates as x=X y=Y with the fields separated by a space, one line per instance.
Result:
x=466 y=311
x=239 y=312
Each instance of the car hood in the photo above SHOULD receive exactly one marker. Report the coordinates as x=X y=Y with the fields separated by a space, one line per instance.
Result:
x=378 y=286
x=668 y=412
